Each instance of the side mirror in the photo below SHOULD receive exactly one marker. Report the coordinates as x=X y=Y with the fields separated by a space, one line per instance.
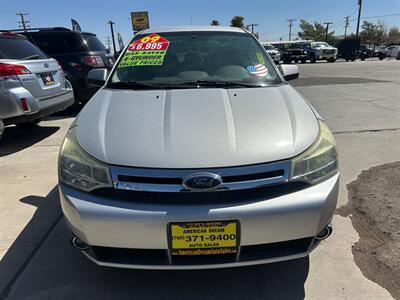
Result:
x=289 y=72
x=97 y=77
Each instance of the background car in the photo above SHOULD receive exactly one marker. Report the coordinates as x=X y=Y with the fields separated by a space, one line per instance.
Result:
x=32 y=85
x=393 y=51
x=319 y=51
x=77 y=52
x=350 y=49
x=275 y=55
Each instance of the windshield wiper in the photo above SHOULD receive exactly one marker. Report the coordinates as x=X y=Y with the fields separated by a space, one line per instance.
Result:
x=34 y=56
x=133 y=85
x=219 y=83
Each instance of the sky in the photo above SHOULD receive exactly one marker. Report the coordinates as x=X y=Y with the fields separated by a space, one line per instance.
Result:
x=270 y=16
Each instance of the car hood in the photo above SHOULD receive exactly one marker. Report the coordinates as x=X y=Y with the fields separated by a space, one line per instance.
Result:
x=327 y=48
x=196 y=128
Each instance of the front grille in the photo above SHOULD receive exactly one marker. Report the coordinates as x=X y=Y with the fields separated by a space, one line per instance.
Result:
x=215 y=197
x=172 y=180
x=329 y=51
x=160 y=257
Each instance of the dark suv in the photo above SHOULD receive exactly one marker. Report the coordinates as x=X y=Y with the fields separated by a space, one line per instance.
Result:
x=77 y=52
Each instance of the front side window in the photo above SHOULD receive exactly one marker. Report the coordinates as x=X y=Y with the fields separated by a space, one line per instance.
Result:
x=177 y=59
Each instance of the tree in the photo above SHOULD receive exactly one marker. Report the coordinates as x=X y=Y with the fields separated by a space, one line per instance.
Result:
x=393 y=36
x=215 y=23
x=314 y=32
x=373 y=33
x=237 y=21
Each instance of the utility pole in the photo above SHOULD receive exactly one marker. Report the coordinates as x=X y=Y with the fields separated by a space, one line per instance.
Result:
x=346 y=24
x=327 y=30
x=108 y=42
x=23 y=22
x=290 y=27
x=252 y=27
x=359 y=17
x=112 y=34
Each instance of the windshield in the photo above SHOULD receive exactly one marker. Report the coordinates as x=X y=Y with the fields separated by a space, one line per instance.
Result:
x=19 y=48
x=178 y=59
x=320 y=45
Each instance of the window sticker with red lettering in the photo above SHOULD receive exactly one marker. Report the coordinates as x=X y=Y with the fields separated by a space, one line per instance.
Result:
x=148 y=51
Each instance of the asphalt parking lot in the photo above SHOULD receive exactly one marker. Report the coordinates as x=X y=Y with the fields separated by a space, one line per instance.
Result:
x=359 y=100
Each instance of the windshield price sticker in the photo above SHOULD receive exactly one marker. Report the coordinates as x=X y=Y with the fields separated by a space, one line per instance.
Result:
x=148 y=51
x=260 y=58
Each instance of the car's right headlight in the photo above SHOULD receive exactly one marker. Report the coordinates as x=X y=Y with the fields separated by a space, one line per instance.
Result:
x=319 y=162
x=77 y=169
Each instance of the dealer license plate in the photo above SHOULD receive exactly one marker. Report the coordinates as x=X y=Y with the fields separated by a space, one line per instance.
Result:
x=47 y=78
x=203 y=238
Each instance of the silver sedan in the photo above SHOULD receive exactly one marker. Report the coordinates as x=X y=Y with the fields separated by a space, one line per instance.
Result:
x=196 y=153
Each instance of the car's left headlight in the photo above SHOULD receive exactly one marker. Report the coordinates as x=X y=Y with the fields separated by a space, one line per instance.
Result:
x=77 y=169
x=319 y=162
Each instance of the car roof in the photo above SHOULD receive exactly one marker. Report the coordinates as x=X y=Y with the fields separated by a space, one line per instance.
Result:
x=192 y=28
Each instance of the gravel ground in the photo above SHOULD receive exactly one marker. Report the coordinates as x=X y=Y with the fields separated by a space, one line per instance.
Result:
x=374 y=202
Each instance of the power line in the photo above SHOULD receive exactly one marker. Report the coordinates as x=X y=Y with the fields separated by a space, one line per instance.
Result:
x=383 y=16
x=23 y=22
x=290 y=27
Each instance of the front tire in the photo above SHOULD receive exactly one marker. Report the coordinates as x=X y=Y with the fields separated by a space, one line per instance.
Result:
x=313 y=59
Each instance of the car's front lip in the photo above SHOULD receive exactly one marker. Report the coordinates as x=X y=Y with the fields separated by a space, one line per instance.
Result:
x=118 y=224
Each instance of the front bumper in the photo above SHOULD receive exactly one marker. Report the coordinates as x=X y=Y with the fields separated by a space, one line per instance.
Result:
x=327 y=56
x=120 y=231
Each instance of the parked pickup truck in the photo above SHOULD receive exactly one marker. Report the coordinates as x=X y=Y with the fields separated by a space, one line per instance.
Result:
x=290 y=51
x=319 y=51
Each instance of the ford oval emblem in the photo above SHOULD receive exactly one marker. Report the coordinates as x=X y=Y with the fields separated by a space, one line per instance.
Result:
x=46 y=65
x=202 y=182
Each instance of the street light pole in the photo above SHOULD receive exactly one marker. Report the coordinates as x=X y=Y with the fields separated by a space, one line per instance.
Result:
x=359 y=17
x=112 y=34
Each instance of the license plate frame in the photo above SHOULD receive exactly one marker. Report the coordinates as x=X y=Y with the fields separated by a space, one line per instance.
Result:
x=214 y=241
x=47 y=78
